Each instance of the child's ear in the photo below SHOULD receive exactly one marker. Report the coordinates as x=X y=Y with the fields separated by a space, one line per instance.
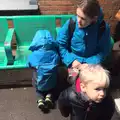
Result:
x=83 y=87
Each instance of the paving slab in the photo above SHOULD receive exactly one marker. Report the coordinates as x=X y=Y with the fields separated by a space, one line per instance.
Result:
x=115 y=85
x=116 y=96
x=19 y=104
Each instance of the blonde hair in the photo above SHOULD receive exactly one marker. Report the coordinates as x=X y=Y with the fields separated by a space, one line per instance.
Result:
x=92 y=72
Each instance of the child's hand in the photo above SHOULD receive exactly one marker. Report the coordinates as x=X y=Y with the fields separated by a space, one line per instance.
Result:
x=76 y=64
x=83 y=66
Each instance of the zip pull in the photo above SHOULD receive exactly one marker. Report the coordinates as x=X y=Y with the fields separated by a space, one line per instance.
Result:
x=90 y=104
x=88 y=109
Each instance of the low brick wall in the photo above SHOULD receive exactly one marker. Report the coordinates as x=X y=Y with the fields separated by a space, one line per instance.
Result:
x=110 y=8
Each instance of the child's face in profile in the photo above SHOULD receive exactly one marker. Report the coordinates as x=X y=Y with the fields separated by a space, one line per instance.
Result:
x=95 y=91
x=83 y=20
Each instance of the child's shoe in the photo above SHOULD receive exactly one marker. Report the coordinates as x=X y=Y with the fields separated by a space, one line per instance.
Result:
x=48 y=101
x=41 y=104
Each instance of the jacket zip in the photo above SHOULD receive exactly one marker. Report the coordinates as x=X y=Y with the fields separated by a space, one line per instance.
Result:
x=88 y=109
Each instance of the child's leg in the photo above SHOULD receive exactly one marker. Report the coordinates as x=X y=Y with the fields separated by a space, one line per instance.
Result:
x=40 y=95
x=40 y=99
x=49 y=99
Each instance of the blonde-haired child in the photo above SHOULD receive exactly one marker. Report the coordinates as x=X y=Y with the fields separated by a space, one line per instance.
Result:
x=87 y=98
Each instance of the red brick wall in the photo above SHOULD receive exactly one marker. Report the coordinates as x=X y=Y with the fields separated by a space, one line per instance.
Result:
x=56 y=6
x=110 y=8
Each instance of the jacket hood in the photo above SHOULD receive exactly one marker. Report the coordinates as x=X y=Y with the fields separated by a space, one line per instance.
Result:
x=100 y=17
x=44 y=50
x=42 y=40
x=43 y=58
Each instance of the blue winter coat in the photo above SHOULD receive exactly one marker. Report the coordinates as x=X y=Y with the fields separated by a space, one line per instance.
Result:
x=85 y=46
x=45 y=59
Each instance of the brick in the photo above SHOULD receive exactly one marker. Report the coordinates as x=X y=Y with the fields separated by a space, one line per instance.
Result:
x=51 y=3
x=48 y=8
x=110 y=8
x=101 y=1
x=52 y=12
x=64 y=8
x=10 y=24
x=55 y=8
x=59 y=2
x=107 y=14
x=118 y=15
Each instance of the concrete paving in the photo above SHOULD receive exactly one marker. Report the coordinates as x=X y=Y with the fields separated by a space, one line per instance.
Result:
x=116 y=96
x=19 y=104
x=115 y=85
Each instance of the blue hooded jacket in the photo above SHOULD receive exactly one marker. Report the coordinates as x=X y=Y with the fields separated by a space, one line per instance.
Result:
x=45 y=59
x=85 y=46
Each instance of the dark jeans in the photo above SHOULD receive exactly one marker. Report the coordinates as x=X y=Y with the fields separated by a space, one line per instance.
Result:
x=40 y=94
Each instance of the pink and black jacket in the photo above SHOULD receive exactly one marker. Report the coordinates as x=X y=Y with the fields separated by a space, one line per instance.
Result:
x=75 y=103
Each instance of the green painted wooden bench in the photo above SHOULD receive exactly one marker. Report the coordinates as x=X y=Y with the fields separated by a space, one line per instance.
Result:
x=24 y=28
x=5 y=49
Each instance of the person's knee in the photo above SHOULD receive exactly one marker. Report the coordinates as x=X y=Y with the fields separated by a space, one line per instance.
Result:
x=62 y=73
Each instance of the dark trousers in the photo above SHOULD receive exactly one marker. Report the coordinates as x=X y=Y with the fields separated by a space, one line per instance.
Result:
x=42 y=94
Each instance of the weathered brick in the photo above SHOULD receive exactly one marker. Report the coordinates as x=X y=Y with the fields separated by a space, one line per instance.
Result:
x=118 y=15
x=110 y=8
x=10 y=24
x=57 y=2
x=54 y=8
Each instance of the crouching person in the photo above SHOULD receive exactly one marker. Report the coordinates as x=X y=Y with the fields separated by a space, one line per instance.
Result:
x=44 y=59
x=88 y=98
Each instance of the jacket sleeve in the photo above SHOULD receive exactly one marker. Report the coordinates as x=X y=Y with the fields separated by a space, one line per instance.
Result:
x=64 y=104
x=62 y=39
x=104 y=47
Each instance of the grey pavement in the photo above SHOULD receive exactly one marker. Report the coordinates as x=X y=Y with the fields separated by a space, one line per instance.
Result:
x=20 y=104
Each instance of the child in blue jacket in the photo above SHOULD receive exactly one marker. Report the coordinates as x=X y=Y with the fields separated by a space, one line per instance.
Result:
x=85 y=45
x=44 y=59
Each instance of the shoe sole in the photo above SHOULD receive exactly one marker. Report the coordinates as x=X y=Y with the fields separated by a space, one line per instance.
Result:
x=42 y=107
x=49 y=104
